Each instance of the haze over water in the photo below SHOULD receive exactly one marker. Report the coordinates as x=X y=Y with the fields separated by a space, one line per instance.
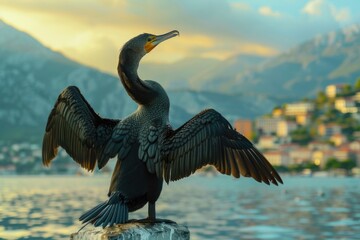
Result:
x=47 y=207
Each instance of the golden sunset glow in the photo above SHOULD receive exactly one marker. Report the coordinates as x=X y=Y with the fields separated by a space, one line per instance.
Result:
x=92 y=32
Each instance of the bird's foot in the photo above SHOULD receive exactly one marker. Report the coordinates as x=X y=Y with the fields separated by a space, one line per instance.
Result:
x=151 y=221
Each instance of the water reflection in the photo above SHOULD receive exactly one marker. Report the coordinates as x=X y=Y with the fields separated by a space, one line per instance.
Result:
x=213 y=208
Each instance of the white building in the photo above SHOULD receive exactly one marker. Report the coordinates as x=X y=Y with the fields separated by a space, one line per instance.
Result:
x=346 y=105
x=285 y=128
x=267 y=125
x=267 y=142
x=298 y=108
x=277 y=158
x=332 y=90
x=327 y=130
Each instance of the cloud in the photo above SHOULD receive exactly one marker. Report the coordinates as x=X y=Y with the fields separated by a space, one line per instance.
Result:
x=223 y=51
x=127 y=18
x=327 y=9
x=340 y=15
x=240 y=6
x=208 y=27
x=267 y=11
x=314 y=7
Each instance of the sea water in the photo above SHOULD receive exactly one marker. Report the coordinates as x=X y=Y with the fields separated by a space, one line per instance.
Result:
x=220 y=207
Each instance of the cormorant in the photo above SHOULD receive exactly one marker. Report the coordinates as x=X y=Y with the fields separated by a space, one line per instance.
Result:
x=148 y=149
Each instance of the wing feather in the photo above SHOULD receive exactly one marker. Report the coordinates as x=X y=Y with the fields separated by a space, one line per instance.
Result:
x=73 y=125
x=208 y=138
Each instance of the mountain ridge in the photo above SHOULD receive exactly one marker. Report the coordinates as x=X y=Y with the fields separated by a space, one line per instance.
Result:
x=303 y=70
x=242 y=86
x=32 y=76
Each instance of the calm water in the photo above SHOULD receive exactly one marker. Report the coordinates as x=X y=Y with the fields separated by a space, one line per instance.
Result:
x=214 y=208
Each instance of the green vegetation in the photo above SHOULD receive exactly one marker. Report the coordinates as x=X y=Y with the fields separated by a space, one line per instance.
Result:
x=331 y=164
x=325 y=112
x=334 y=163
x=347 y=90
x=321 y=99
x=357 y=85
x=298 y=167
x=301 y=136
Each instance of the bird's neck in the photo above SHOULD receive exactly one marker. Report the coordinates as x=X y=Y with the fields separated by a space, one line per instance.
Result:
x=137 y=89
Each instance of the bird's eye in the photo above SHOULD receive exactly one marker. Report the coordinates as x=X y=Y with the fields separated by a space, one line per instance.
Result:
x=149 y=39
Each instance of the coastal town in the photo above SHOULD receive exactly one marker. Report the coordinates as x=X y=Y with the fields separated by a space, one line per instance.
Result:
x=311 y=136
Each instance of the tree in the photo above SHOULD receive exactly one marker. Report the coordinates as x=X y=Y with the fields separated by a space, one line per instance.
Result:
x=321 y=99
x=347 y=164
x=332 y=114
x=332 y=163
x=281 y=168
x=296 y=168
x=357 y=84
x=313 y=131
x=312 y=166
x=347 y=90
x=301 y=136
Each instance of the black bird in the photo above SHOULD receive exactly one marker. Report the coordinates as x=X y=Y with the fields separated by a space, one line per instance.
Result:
x=148 y=149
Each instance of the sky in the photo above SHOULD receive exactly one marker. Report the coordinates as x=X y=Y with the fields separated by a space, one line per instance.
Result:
x=93 y=31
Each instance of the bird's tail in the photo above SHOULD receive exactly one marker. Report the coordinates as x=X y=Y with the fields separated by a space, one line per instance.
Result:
x=113 y=211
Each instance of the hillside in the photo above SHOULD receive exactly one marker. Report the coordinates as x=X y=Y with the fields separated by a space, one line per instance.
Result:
x=220 y=75
x=299 y=72
x=32 y=76
x=180 y=74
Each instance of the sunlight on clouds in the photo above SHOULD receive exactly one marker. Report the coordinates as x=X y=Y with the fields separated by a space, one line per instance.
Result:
x=42 y=26
x=90 y=46
x=217 y=54
x=97 y=44
x=93 y=31
x=240 y=6
x=340 y=15
x=313 y=7
x=247 y=48
x=181 y=47
x=267 y=11
x=257 y=49
x=326 y=8
x=114 y=3
x=189 y=42
x=94 y=50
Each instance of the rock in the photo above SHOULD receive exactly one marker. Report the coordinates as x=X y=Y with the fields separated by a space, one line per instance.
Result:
x=138 y=231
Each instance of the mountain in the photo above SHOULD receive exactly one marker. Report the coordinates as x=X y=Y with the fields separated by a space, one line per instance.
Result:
x=217 y=77
x=232 y=106
x=32 y=76
x=180 y=74
x=299 y=72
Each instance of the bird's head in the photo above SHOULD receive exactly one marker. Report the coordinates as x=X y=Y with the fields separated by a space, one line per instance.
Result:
x=146 y=42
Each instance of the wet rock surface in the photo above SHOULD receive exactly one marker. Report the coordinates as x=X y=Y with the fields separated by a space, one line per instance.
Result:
x=138 y=231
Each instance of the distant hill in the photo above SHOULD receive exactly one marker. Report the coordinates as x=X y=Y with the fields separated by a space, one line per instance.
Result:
x=219 y=76
x=181 y=74
x=297 y=73
x=32 y=76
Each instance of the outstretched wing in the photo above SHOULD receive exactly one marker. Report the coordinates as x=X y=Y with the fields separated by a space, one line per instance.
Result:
x=73 y=125
x=208 y=138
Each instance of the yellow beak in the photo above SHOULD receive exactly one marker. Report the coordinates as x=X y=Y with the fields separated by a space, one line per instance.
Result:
x=160 y=38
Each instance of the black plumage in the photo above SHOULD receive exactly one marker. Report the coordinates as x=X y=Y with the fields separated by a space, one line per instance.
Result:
x=148 y=149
